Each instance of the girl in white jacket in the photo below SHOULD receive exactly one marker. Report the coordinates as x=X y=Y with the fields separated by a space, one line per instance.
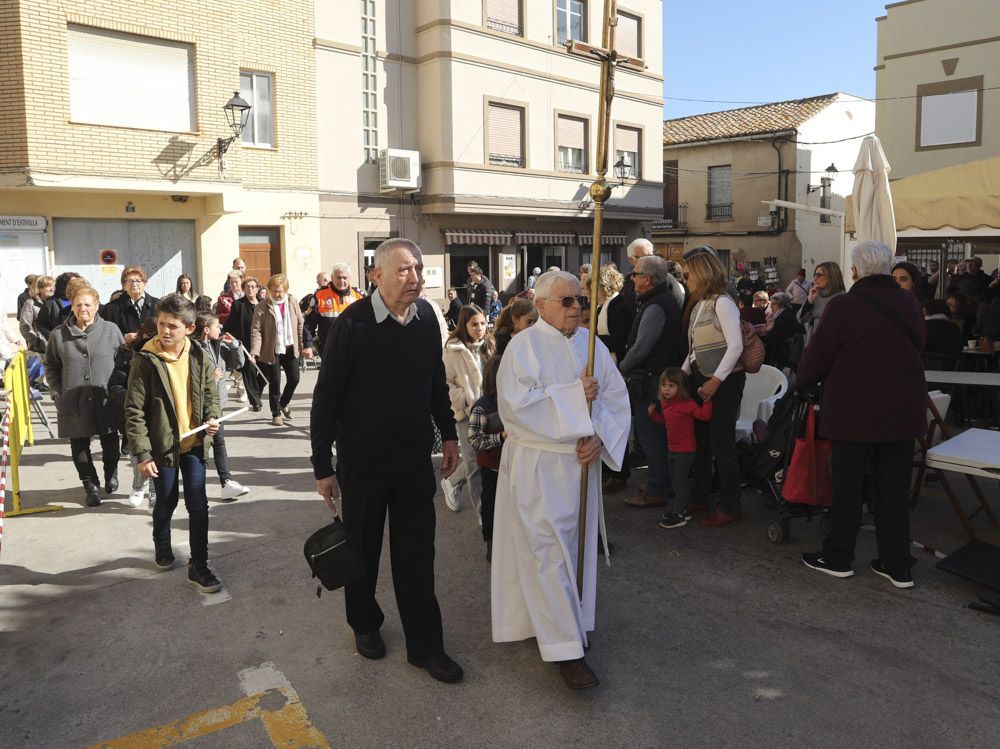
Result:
x=468 y=348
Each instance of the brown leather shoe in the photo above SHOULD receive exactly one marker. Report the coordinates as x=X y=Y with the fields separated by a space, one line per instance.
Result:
x=646 y=500
x=577 y=674
x=612 y=485
x=719 y=519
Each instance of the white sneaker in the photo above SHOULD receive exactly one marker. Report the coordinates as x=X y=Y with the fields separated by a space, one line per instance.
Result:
x=242 y=397
x=450 y=496
x=135 y=498
x=233 y=489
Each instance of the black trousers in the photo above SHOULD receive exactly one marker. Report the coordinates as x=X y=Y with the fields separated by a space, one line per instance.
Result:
x=489 y=500
x=221 y=455
x=84 y=460
x=290 y=364
x=368 y=495
x=253 y=383
x=717 y=439
x=891 y=466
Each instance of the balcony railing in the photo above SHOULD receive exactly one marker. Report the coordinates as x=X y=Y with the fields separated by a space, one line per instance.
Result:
x=504 y=26
x=718 y=211
x=674 y=217
x=503 y=160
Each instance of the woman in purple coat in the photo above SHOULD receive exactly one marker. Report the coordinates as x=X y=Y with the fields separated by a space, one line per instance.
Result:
x=866 y=356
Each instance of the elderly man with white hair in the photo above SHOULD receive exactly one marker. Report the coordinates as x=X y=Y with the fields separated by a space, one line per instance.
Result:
x=543 y=393
x=334 y=299
x=866 y=355
x=636 y=250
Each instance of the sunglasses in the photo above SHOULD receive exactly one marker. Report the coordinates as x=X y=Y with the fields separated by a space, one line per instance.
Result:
x=567 y=301
x=818 y=274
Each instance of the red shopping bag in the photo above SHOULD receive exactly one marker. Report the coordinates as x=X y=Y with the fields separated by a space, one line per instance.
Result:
x=809 y=480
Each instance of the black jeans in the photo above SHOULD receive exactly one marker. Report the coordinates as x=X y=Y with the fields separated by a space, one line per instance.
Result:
x=253 y=383
x=489 y=499
x=368 y=495
x=891 y=465
x=220 y=455
x=84 y=460
x=290 y=364
x=652 y=437
x=167 y=484
x=717 y=439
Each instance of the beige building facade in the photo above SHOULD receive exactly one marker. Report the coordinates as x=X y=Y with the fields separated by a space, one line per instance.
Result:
x=499 y=119
x=720 y=168
x=936 y=79
x=111 y=113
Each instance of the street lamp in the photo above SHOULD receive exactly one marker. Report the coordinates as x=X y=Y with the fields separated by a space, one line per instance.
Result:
x=622 y=170
x=237 y=114
x=830 y=173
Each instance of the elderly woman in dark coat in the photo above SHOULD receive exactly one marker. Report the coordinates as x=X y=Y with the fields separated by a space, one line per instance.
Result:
x=866 y=355
x=79 y=362
x=784 y=327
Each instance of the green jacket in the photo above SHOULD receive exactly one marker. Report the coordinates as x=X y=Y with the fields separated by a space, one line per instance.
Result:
x=150 y=412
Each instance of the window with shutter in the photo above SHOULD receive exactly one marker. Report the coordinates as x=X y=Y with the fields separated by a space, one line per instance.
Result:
x=504 y=15
x=720 y=192
x=111 y=75
x=572 y=145
x=627 y=140
x=506 y=135
x=628 y=35
x=257 y=89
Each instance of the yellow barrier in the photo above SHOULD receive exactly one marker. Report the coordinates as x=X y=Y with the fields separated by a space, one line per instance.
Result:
x=19 y=417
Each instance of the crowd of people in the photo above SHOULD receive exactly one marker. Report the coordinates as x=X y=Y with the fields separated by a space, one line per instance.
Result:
x=498 y=390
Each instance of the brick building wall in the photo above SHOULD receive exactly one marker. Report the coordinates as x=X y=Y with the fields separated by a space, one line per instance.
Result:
x=227 y=36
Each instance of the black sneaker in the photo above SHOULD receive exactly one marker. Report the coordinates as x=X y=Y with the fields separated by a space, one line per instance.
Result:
x=900 y=579
x=818 y=563
x=671 y=519
x=202 y=577
x=93 y=494
x=165 y=560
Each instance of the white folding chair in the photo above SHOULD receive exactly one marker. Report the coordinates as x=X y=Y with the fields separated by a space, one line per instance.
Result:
x=761 y=391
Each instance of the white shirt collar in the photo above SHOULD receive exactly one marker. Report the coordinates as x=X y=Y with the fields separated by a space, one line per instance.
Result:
x=382 y=312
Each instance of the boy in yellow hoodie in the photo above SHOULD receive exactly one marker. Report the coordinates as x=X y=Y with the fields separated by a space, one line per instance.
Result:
x=171 y=390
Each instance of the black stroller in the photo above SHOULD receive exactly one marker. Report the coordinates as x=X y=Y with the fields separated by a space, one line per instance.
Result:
x=766 y=458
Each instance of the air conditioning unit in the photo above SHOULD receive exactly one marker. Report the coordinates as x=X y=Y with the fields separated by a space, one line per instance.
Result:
x=398 y=170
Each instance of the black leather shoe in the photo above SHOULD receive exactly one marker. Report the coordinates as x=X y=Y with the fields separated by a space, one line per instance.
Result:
x=370 y=645
x=111 y=485
x=93 y=495
x=440 y=666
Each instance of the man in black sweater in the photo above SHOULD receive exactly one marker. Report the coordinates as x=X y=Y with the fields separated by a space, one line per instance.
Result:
x=381 y=382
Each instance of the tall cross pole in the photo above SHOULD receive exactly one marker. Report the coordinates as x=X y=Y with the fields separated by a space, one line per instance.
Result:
x=599 y=193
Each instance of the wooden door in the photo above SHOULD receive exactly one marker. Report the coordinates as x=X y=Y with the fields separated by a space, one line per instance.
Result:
x=261 y=251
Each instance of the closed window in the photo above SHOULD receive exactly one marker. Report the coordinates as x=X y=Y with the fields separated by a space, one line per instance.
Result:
x=506 y=135
x=130 y=81
x=950 y=114
x=571 y=21
x=369 y=83
x=628 y=35
x=627 y=148
x=720 y=192
x=504 y=15
x=257 y=89
x=572 y=144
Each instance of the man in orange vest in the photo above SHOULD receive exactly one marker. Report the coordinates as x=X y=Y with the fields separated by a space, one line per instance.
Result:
x=334 y=299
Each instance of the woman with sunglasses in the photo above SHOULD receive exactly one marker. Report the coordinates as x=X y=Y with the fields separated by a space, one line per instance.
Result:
x=715 y=343
x=828 y=282
x=465 y=354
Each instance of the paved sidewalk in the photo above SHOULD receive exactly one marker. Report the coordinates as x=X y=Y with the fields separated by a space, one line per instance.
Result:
x=706 y=638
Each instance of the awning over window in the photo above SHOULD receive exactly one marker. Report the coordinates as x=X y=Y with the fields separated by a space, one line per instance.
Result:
x=543 y=237
x=457 y=236
x=606 y=240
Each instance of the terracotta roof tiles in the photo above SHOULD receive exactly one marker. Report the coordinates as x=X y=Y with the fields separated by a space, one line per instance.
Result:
x=734 y=123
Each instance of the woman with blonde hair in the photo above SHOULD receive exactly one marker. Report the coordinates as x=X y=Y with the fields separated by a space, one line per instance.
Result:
x=276 y=340
x=715 y=343
x=42 y=288
x=79 y=361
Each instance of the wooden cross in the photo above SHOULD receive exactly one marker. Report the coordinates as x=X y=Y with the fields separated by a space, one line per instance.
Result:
x=599 y=192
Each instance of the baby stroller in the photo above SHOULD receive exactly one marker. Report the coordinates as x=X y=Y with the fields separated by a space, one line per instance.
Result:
x=766 y=462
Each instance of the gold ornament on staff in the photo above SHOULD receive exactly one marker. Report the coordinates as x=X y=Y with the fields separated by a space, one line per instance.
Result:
x=599 y=192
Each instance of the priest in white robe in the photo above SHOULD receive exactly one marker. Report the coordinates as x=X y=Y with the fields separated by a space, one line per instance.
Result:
x=542 y=396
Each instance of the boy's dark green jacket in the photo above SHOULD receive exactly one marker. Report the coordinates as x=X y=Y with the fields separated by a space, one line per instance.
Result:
x=150 y=411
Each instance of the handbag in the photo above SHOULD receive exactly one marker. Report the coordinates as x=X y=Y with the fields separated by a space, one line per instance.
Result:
x=809 y=479
x=333 y=557
x=752 y=357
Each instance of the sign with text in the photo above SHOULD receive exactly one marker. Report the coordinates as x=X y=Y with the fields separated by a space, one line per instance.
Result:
x=22 y=223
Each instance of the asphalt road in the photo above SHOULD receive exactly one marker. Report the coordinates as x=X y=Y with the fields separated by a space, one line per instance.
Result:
x=705 y=638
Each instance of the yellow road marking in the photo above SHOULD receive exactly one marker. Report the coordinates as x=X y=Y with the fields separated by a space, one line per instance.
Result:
x=283 y=715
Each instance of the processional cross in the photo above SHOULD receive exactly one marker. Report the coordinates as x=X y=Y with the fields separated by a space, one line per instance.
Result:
x=599 y=192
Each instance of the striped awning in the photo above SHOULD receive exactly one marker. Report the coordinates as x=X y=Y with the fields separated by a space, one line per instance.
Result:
x=607 y=240
x=477 y=237
x=543 y=237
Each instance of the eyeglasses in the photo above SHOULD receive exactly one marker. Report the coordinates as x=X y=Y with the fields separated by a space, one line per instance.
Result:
x=567 y=301
x=134 y=281
x=819 y=274
x=639 y=273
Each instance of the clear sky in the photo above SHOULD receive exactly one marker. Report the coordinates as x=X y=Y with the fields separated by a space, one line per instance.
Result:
x=765 y=50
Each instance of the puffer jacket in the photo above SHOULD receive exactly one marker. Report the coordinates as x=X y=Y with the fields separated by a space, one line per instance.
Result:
x=464 y=376
x=150 y=411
